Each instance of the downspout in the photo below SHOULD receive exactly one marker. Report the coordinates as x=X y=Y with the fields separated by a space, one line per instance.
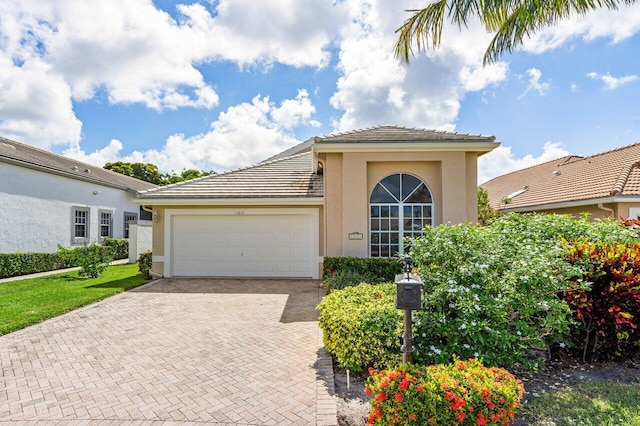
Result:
x=607 y=209
x=147 y=209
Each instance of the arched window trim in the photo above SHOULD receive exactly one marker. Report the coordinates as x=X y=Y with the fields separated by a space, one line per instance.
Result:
x=390 y=223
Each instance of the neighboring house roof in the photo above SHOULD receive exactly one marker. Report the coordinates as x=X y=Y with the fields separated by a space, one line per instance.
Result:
x=19 y=154
x=290 y=177
x=386 y=134
x=572 y=180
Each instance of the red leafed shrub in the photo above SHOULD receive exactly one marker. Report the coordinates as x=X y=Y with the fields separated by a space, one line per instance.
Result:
x=462 y=393
x=606 y=299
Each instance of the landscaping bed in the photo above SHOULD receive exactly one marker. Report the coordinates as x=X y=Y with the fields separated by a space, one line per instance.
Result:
x=353 y=404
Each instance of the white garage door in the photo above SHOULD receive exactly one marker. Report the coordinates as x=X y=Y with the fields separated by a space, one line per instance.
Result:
x=242 y=246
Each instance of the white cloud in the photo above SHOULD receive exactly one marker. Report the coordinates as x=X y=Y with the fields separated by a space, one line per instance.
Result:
x=242 y=135
x=294 y=112
x=535 y=85
x=601 y=23
x=35 y=105
x=610 y=82
x=374 y=88
x=60 y=51
x=501 y=160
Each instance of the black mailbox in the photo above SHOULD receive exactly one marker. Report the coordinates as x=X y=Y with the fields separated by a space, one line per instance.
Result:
x=408 y=292
x=408 y=288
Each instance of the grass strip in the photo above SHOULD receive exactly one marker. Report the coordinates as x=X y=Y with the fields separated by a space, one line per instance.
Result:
x=29 y=301
x=592 y=403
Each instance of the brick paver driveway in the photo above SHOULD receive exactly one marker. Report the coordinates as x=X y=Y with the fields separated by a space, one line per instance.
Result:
x=174 y=351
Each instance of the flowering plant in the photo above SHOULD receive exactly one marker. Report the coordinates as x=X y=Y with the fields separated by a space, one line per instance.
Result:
x=605 y=299
x=491 y=292
x=462 y=393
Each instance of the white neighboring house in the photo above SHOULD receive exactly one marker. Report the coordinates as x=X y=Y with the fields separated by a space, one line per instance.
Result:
x=47 y=199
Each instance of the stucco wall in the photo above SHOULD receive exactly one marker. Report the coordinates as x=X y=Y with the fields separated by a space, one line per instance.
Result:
x=36 y=209
x=351 y=177
x=140 y=238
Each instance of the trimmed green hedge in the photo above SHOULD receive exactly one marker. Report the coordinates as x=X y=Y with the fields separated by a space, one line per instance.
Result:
x=361 y=326
x=119 y=247
x=14 y=264
x=383 y=267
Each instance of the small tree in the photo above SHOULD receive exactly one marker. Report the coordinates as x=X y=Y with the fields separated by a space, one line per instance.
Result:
x=486 y=213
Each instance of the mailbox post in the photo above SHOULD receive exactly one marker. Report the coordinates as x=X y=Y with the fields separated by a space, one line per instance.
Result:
x=408 y=297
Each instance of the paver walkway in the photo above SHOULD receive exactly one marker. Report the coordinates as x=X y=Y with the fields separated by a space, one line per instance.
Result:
x=176 y=351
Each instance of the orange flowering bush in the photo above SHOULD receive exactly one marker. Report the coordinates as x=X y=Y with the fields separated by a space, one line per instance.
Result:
x=462 y=393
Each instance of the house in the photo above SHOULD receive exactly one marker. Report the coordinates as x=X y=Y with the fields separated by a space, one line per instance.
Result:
x=355 y=193
x=605 y=184
x=47 y=199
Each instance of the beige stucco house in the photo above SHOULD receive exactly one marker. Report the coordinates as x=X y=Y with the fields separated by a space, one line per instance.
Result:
x=355 y=193
x=604 y=184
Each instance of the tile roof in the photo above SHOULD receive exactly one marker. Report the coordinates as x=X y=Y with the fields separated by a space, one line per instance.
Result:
x=385 y=134
x=570 y=179
x=28 y=156
x=289 y=177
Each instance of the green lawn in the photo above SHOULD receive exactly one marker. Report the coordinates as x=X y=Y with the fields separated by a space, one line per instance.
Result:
x=29 y=301
x=587 y=404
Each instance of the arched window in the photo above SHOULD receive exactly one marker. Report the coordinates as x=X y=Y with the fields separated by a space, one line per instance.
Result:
x=400 y=206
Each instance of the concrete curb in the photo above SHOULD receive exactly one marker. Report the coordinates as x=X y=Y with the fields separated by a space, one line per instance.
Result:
x=326 y=408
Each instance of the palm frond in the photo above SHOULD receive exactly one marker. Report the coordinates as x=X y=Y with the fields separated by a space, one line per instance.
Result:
x=423 y=28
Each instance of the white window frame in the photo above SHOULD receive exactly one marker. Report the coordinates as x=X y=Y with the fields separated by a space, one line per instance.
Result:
x=401 y=232
x=101 y=224
x=128 y=217
x=75 y=222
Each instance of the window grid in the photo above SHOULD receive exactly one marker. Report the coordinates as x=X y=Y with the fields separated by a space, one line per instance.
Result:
x=398 y=217
x=80 y=223
x=105 y=224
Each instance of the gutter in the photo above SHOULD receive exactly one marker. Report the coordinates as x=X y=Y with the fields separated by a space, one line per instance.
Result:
x=567 y=204
x=230 y=201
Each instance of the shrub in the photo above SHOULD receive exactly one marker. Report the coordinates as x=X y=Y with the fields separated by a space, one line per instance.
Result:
x=361 y=326
x=347 y=277
x=462 y=393
x=119 y=247
x=145 y=263
x=605 y=299
x=92 y=259
x=492 y=292
x=14 y=264
x=383 y=268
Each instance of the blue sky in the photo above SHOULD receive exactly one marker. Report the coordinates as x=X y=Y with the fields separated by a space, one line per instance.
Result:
x=216 y=85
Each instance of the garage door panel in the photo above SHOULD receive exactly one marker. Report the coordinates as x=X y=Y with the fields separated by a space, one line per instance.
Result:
x=251 y=245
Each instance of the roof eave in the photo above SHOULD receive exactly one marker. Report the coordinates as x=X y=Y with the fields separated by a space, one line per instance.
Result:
x=45 y=169
x=569 y=204
x=482 y=146
x=289 y=201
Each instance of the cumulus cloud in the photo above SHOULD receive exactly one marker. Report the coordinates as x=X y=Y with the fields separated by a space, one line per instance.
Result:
x=601 y=23
x=502 y=160
x=535 y=85
x=35 y=105
x=374 y=88
x=58 y=52
x=242 y=135
x=611 y=82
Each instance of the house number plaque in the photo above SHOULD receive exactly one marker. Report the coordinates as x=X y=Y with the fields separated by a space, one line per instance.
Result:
x=355 y=235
